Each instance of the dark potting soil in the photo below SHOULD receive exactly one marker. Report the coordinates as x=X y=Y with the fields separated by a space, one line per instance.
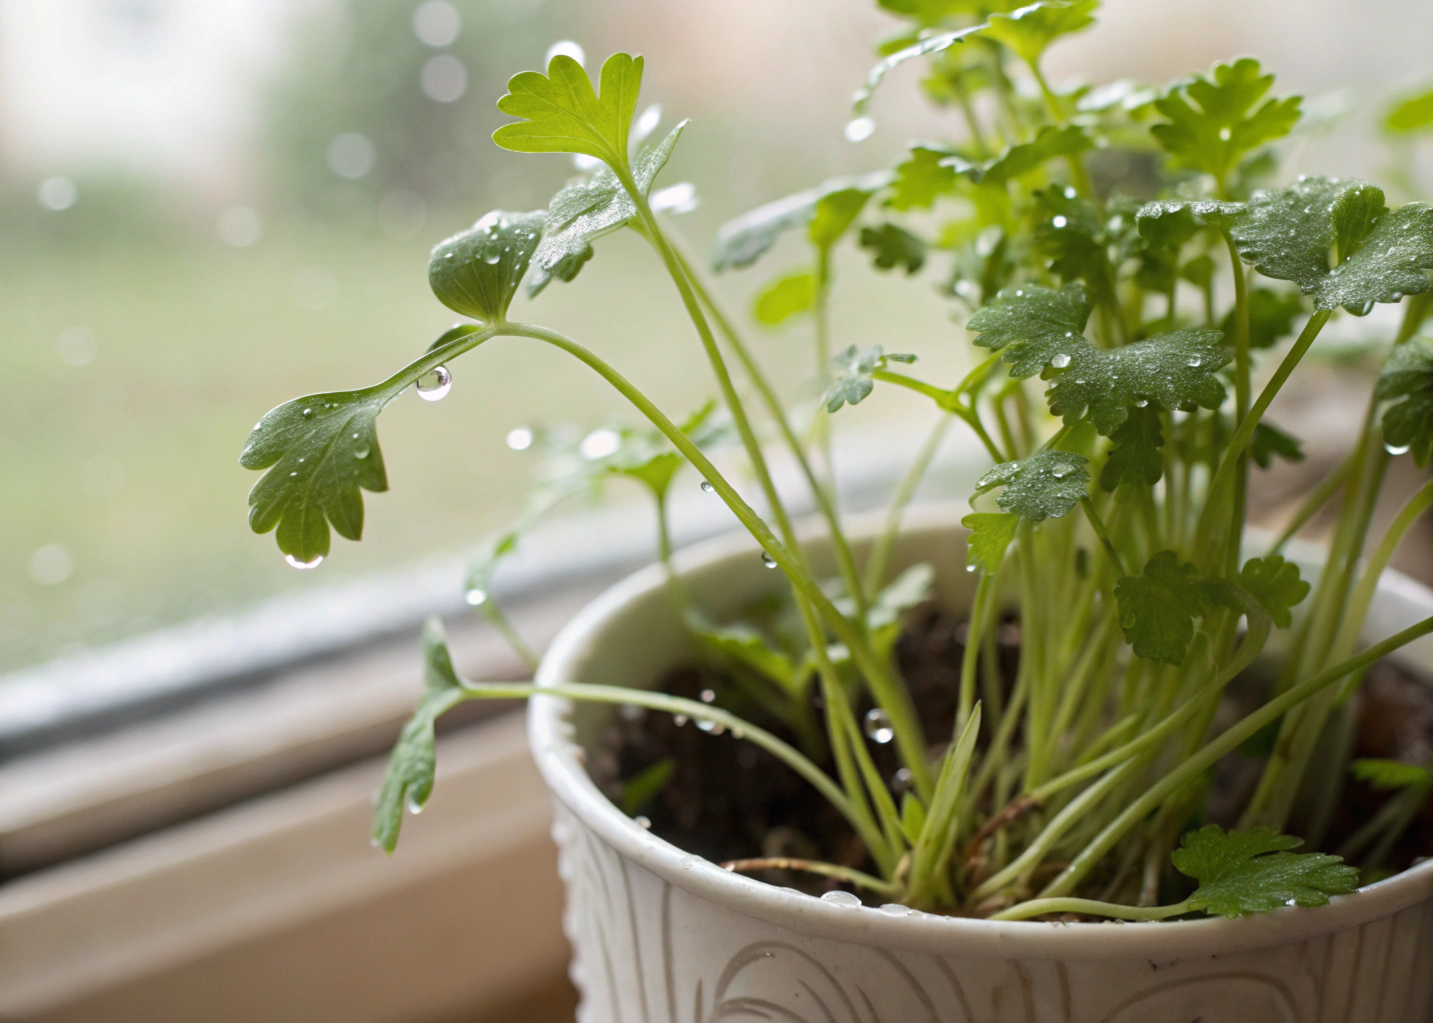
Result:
x=727 y=799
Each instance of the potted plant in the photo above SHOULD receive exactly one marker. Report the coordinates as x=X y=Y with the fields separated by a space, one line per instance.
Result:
x=957 y=779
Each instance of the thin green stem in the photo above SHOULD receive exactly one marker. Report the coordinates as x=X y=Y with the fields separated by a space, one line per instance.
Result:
x=1090 y=907
x=1098 y=525
x=848 y=874
x=493 y=612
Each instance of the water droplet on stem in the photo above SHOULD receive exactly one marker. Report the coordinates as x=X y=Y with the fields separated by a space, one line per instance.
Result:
x=435 y=384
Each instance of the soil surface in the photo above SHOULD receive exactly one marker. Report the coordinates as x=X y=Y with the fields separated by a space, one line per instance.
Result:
x=727 y=799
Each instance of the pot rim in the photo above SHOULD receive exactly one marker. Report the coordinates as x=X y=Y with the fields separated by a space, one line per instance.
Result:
x=560 y=760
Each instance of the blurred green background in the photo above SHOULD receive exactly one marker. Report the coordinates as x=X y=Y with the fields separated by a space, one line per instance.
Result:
x=208 y=209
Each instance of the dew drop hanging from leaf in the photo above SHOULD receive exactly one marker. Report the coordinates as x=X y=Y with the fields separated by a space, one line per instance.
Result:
x=878 y=726
x=303 y=565
x=768 y=560
x=435 y=384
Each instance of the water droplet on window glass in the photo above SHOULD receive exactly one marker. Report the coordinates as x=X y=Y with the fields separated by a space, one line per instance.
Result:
x=1060 y=361
x=476 y=596
x=878 y=726
x=296 y=563
x=707 y=487
x=435 y=384
x=859 y=129
x=768 y=560
x=841 y=898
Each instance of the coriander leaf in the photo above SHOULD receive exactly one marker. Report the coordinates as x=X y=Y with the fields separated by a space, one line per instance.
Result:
x=744 y=239
x=834 y=212
x=1276 y=585
x=1028 y=31
x=1412 y=114
x=408 y=780
x=1408 y=374
x=784 y=297
x=1047 y=484
x=854 y=368
x=1390 y=264
x=1390 y=774
x=1034 y=326
x=1070 y=234
x=1215 y=121
x=321 y=451
x=1158 y=607
x=646 y=785
x=1177 y=370
x=989 y=539
x=652 y=159
x=929 y=45
x=741 y=644
x=1156 y=219
x=1271 y=316
x=1268 y=441
x=579 y=214
x=1017 y=161
x=1135 y=458
x=562 y=113
x=892 y=246
x=921 y=178
x=476 y=272
x=1243 y=872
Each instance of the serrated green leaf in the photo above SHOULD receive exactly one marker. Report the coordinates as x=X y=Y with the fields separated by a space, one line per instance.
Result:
x=925 y=47
x=1408 y=424
x=1158 y=218
x=744 y=239
x=1135 y=459
x=1271 y=316
x=321 y=451
x=1046 y=485
x=1032 y=326
x=1215 y=121
x=920 y=179
x=1071 y=236
x=1158 y=607
x=989 y=539
x=1253 y=872
x=1270 y=441
x=1412 y=114
x=1276 y=585
x=1030 y=30
x=1017 y=161
x=562 y=113
x=784 y=297
x=1176 y=370
x=476 y=272
x=1289 y=234
x=893 y=246
x=1390 y=774
x=408 y=780
x=854 y=368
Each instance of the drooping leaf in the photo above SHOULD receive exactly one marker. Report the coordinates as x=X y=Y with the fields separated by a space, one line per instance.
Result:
x=1243 y=872
x=1276 y=585
x=562 y=114
x=1033 y=325
x=1269 y=441
x=784 y=297
x=1291 y=233
x=1390 y=774
x=1215 y=121
x=1408 y=424
x=1135 y=459
x=1176 y=370
x=920 y=179
x=1046 y=485
x=1271 y=316
x=893 y=246
x=1412 y=114
x=321 y=451
x=476 y=272
x=989 y=539
x=589 y=208
x=1028 y=31
x=744 y=239
x=1158 y=607
x=408 y=780
x=854 y=368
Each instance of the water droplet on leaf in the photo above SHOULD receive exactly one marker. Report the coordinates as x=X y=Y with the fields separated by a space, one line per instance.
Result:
x=768 y=560
x=435 y=384
x=1396 y=449
x=1060 y=361
x=878 y=726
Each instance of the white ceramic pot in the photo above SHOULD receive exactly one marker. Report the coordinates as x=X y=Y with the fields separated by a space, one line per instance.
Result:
x=661 y=936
